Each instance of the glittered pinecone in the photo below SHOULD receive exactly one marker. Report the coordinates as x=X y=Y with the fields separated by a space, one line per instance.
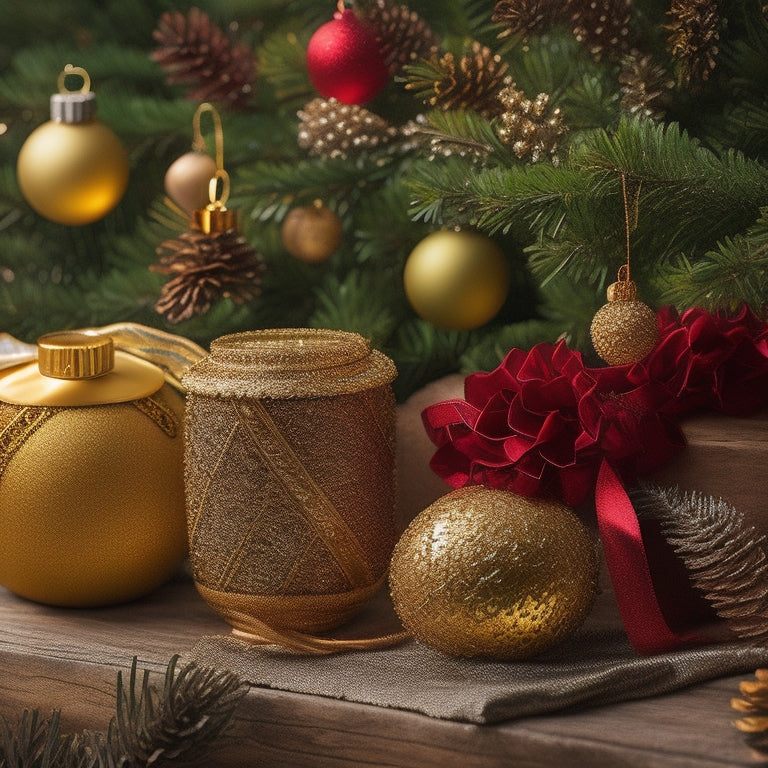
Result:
x=332 y=129
x=603 y=26
x=694 y=36
x=529 y=127
x=754 y=705
x=473 y=82
x=204 y=269
x=192 y=50
x=644 y=86
x=529 y=17
x=403 y=36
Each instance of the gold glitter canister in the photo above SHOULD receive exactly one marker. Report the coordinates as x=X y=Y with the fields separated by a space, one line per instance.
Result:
x=290 y=477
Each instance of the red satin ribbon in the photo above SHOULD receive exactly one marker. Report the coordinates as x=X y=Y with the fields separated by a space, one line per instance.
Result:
x=630 y=573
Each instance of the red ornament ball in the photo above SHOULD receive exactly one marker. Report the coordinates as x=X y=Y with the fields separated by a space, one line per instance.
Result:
x=344 y=61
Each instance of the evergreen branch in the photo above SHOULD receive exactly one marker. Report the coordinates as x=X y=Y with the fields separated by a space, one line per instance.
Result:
x=726 y=558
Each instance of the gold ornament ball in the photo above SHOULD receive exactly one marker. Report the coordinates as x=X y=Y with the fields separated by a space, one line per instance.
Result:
x=188 y=178
x=311 y=233
x=91 y=503
x=484 y=572
x=624 y=331
x=73 y=174
x=456 y=280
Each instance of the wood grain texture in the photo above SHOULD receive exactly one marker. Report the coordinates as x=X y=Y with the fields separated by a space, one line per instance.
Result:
x=68 y=659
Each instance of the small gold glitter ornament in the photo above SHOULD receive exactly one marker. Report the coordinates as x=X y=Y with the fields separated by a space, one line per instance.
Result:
x=484 y=572
x=624 y=330
x=311 y=233
x=73 y=169
x=91 y=474
x=456 y=280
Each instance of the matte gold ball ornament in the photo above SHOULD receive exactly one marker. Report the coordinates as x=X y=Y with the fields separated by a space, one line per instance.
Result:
x=188 y=178
x=456 y=279
x=311 y=233
x=73 y=169
x=92 y=508
x=488 y=573
x=624 y=330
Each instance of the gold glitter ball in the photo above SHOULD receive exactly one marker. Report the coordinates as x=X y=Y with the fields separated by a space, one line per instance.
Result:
x=624 y=331
x=484 y=572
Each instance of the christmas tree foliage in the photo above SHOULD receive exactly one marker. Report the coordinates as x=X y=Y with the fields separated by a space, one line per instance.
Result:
x=516 y=118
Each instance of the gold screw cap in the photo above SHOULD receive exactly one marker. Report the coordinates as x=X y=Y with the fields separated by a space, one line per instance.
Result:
x=73 y=355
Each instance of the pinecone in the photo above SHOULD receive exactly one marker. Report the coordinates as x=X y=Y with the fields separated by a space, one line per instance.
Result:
x=193 y=50
x=473 y=83
x=527 y=125
x=694 y=37
x=204 y=269
x=754 y=705
x=604 y=27
x=529 y=17
x=332 y=129
x=644 y=85
x=403 y=36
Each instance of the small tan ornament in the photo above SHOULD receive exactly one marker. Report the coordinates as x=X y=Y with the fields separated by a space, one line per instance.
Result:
x=624 y=330
x=311 y=233
x=484 y=572
x=187 y=179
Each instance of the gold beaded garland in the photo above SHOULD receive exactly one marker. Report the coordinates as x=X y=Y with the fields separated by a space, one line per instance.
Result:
x=484 y=572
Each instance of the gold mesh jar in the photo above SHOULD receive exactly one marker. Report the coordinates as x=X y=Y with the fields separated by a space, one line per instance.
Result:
x=290 y=477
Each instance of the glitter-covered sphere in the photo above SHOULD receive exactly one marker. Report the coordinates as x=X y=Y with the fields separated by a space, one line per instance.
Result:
x=489 y=573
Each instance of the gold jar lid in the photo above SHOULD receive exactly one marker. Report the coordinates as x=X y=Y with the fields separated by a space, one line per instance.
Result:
x=78 y=368
x=289 y=362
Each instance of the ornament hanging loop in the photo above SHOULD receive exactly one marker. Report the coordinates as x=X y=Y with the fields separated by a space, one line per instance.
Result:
x=198 y=142
x=220 y=178
x=68 y=70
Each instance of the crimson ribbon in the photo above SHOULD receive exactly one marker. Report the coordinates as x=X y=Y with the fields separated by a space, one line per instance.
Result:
x=630 y=572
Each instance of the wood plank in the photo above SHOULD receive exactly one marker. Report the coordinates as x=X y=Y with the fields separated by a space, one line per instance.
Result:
x=69 y=659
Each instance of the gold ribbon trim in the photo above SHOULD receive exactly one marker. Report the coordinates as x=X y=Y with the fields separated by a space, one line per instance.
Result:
x=28 y=420
x=240 y=610
x=286 y=467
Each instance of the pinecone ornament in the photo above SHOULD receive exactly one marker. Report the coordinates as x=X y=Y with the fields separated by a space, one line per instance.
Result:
x=473 y=82
x=644 y=86
x=331 y=129
x=694 y=37
x=529 y=127
x=205 y=268
x=403 y=36
x=604 y=27
x=529 y=17
x=754 y=705
x=192 y=50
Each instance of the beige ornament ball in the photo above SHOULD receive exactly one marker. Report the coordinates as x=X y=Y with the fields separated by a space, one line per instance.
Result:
x=484 y=572
x=624 y=330
x=188 y=178
x=311 y=233
x=456 y=280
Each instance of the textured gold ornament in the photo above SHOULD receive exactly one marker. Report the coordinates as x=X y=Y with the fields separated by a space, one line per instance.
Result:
x=624 y=331
x=311 y=233
x=290 y=492
x=485 y=572
x=91 y=496
x=456 y=280
x=73 y=169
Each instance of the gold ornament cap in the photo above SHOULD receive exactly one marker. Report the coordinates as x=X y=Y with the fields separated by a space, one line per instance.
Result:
x=622 y=290
x=79 y=369
x=213 y=220
x=286 y=363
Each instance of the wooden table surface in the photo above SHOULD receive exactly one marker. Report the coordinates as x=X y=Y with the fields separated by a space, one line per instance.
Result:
x=68 y=659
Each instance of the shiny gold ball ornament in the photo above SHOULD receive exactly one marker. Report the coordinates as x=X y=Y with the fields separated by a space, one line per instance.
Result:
x=188 y=178
x=484 y=572
x=624 y=330
x=73 y=169
x=92 y=507
x=311 y=233
x=456 y=279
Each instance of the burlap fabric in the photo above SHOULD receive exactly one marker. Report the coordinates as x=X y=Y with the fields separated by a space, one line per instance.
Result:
x=595 y=666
